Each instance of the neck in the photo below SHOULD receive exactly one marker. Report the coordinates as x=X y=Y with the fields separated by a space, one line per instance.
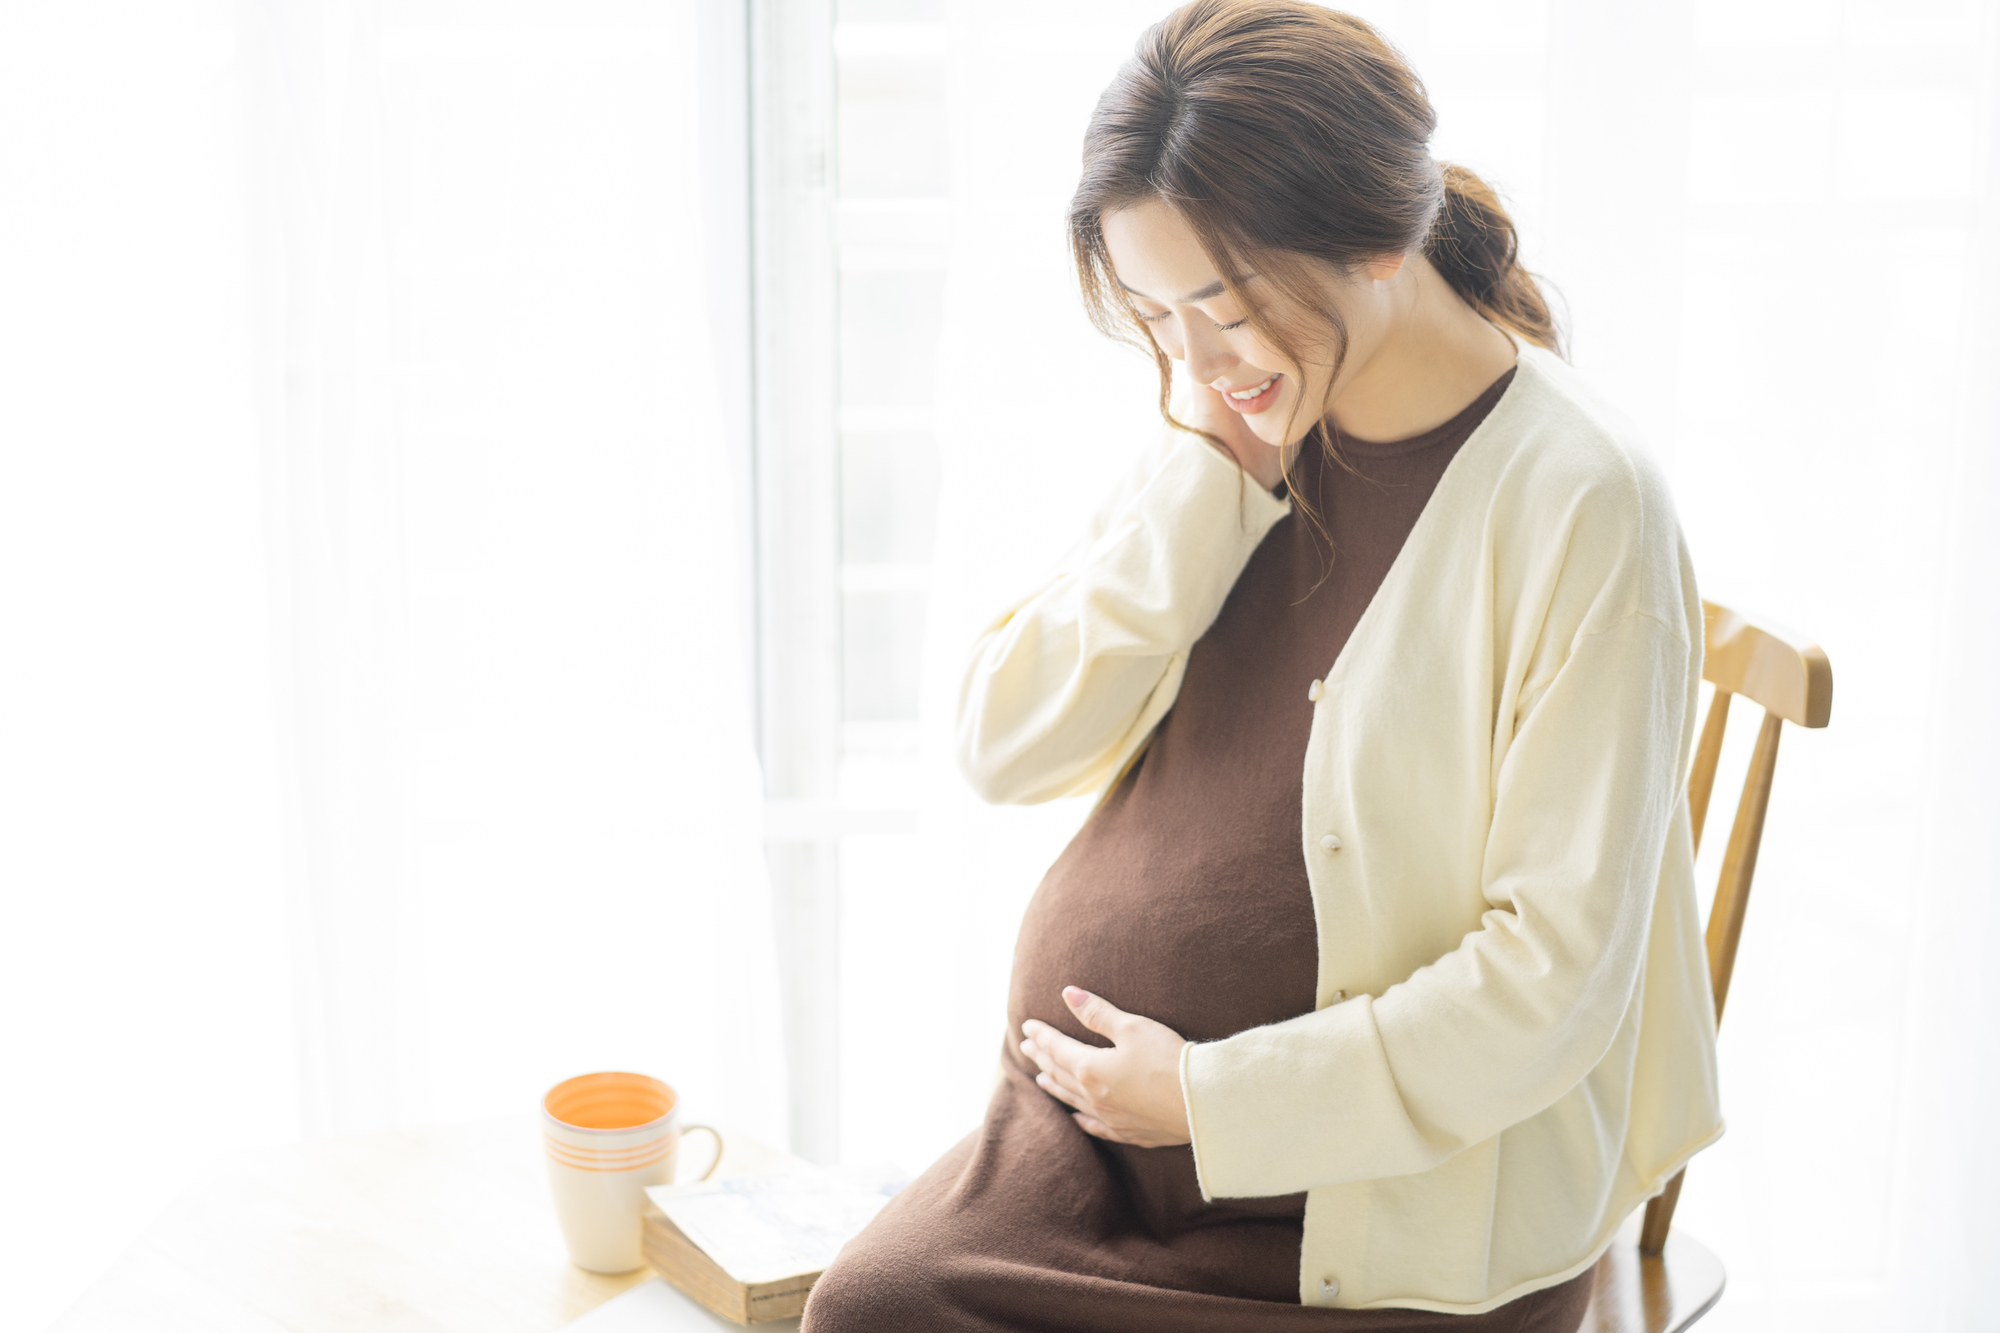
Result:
x=1438 y=356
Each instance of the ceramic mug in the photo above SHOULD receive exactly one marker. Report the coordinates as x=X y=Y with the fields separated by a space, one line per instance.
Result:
x=608 y=1136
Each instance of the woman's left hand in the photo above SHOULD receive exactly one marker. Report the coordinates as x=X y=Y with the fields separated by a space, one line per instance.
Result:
x=1129 y=1092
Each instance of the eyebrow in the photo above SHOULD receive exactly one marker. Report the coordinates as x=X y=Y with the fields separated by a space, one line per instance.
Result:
x=1213 y=289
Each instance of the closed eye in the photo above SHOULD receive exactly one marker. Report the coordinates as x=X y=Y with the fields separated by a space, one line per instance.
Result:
x=1162 y=314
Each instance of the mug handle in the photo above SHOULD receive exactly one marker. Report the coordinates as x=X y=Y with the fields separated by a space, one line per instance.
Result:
x=714 y=1161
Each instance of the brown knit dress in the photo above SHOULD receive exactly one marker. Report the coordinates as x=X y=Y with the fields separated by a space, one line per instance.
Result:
x=1184 y=898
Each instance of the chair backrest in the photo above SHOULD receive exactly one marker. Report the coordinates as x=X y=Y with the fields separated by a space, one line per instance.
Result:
x=1790 y=679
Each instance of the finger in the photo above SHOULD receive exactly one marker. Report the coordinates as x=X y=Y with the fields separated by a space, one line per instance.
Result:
x=1094 y=1127
x=1036 y=1045
x=1068 y=1096
x=1094 y=1011
x=1062 y=1048
x=1051 y=1070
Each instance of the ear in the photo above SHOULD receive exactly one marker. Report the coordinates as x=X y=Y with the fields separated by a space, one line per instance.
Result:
x=1385 y=267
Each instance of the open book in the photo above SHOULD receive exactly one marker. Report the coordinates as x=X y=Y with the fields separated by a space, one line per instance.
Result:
x=750 y=1248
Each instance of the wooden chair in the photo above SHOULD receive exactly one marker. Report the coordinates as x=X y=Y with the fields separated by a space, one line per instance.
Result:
x=1655 y=1282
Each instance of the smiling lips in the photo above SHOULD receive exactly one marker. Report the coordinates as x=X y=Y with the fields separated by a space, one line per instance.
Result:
x=1251 y=399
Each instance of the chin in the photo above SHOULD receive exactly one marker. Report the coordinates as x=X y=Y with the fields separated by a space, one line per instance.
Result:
x=1269 y=426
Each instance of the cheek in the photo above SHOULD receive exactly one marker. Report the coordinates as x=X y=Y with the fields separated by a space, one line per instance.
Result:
x=1168 y=335
x=1254 y=351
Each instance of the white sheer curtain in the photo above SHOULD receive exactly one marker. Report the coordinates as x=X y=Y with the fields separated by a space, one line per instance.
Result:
x=1773 y=227
x=377 y=727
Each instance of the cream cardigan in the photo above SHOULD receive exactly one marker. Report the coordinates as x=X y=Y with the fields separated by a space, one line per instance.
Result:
x=1513 y=1044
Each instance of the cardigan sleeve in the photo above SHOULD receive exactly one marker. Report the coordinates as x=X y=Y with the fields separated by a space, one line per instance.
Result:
x=1526 y=1005
x=1065 y=686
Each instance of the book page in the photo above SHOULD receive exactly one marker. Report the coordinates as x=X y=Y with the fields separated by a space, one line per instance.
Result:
x=763 y=1228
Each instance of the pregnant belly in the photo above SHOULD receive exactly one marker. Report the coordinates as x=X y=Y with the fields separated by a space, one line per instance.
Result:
x=1209 y=937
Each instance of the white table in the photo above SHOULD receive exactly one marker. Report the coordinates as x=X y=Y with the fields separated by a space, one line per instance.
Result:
x=444 y=1230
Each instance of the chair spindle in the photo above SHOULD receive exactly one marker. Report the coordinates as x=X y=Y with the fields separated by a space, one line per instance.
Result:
x=1732 y=894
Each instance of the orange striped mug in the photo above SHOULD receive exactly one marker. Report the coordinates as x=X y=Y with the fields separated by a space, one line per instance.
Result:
x=609 y=1136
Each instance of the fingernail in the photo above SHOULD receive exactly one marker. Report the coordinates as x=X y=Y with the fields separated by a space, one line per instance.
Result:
x=1075 y=996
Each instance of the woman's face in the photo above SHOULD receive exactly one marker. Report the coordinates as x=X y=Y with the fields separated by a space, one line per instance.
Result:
x=1175 y=289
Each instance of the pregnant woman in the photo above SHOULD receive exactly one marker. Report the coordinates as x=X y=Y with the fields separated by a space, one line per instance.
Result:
x=1370 y=996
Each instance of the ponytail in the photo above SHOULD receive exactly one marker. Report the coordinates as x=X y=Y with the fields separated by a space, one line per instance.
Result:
x=1473 y=246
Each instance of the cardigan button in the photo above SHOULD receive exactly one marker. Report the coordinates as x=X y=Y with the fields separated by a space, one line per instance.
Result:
x=1329 y=844
x=1313 y=691
x=1329 y=1287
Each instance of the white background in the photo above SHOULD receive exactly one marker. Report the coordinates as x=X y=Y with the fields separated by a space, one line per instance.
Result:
x=377 y=740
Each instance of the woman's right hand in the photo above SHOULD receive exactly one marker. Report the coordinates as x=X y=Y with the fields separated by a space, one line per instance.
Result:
x=1259 y=459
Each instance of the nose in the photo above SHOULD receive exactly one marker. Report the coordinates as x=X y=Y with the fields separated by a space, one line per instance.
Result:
x=1208 y=357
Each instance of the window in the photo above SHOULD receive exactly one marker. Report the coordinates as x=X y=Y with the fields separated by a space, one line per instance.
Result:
x=852 y=256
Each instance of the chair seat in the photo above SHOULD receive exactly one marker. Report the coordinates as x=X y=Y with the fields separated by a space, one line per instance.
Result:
x=1660 y=1293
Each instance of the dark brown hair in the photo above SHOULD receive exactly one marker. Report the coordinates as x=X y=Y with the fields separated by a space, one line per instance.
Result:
x=1284 y=132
